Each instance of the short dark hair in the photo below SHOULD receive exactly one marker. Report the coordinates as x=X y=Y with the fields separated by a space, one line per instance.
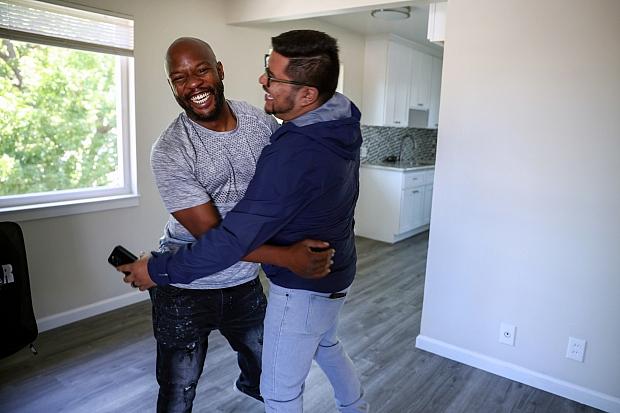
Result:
x=313 y=59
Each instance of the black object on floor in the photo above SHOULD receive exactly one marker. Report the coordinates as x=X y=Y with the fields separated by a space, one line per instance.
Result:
x=18 y=326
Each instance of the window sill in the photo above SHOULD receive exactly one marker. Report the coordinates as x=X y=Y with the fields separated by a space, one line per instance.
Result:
x=64 y=208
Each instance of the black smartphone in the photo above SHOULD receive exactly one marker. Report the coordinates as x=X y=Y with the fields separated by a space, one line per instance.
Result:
x=319 y=249
x=121 y=255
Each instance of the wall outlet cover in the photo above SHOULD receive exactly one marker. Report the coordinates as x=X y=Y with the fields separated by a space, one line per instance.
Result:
x=507 y=334
x=576 y=349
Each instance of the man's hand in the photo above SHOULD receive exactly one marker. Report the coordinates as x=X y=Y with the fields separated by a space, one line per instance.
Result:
x=138 y=274
x=303 y=261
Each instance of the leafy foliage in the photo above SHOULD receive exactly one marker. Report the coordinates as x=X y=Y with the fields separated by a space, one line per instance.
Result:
x=58 y=125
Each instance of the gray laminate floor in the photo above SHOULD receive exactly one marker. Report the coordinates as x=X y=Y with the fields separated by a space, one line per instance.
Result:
x=106 y=363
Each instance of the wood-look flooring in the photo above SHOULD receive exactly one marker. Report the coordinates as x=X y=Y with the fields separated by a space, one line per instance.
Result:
x=106 y=363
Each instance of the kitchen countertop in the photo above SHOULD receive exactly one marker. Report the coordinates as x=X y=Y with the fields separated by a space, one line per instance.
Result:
x=398 y=166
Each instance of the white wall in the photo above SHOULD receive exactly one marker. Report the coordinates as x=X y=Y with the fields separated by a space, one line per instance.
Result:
x=70 y=277
x=526 y=224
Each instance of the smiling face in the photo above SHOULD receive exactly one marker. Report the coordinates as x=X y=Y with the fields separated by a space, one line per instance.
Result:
x=280 y=98
x=195 y=78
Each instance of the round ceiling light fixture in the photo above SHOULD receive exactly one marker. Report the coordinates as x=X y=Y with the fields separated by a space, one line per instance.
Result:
x=399 y=13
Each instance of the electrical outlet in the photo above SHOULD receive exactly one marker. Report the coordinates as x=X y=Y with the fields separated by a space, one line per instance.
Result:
x=507 y=334
x=576 y=349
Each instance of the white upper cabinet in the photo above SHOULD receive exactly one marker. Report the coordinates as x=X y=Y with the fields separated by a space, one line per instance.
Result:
x=437 y=22
x=387 y=78
x=398 y=77
x=433 y=110
x=398 y=80
x=421 y=68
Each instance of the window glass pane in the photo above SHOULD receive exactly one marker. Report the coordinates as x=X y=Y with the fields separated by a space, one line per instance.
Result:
x=66 y=24
x=59 y=119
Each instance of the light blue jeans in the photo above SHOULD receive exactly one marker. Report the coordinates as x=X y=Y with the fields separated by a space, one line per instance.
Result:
x=301 y=326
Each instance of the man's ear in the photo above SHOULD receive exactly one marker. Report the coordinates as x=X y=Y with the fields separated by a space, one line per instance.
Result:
x=309 y=95
x=220 y=70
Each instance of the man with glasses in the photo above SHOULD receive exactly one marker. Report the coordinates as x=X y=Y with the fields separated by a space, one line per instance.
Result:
x=305 y=186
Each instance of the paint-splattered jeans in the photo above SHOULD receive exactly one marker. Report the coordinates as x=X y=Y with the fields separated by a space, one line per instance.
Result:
x=182 y=321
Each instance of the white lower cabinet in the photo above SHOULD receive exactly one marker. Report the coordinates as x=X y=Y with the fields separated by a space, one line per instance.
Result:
x=393 y=204
x=411 y=209
x=427 y=203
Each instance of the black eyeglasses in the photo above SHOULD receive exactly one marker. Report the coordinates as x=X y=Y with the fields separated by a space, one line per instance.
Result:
x=290 y=82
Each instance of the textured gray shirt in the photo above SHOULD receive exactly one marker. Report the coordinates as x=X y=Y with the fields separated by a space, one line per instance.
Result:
x=194 y=165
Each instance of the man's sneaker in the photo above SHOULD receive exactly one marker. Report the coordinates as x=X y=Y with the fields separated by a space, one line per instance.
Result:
x=239 y=389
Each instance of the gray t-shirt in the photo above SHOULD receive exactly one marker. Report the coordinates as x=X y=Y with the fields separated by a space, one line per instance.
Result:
x=194 y=165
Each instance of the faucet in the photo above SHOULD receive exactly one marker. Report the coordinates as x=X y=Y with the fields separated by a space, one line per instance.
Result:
x=402 y=144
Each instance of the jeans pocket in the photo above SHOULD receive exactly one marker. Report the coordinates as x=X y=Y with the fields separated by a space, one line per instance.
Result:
x=323 y=313
x=253 y=299
x=175 y=320
x=286 y=313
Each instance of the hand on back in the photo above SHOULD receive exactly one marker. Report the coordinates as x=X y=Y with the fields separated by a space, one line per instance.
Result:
x=310 y=258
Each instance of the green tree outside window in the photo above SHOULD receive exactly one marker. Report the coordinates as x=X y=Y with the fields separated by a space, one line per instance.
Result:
x=58 y=127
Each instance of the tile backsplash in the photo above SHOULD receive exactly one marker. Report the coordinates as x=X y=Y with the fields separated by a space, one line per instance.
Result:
x=382 y=141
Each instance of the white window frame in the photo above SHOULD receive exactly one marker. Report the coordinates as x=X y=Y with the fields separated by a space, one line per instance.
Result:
x=24 y=207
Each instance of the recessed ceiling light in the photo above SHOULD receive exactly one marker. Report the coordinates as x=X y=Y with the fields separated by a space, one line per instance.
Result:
x=398 y=13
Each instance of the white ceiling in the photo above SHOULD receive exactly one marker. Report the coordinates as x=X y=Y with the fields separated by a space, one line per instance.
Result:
x=414 y=28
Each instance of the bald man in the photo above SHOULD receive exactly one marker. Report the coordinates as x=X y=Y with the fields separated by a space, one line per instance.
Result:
x=203 y=163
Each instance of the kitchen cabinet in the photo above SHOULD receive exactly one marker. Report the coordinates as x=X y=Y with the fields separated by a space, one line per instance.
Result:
x=411 y=209
x=387 y=78
x=437 y=22
x=421 y=69
x=427 y=203
x=435 y=93
x=393 y=204
x=430 y=118
x=398 y=78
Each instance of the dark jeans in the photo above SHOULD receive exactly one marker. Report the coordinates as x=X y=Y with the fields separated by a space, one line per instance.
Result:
x=182 y=321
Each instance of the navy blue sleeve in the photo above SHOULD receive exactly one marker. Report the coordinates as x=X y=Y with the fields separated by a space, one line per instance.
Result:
x=285 y=182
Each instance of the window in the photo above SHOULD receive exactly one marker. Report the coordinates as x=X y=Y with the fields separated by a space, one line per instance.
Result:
x=66 y=93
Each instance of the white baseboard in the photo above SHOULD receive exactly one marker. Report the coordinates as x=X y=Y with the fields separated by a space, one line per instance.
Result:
x=514 y=372
x=67 y=317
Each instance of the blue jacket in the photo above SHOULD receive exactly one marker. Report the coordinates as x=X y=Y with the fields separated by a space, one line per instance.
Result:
x=305 y=186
